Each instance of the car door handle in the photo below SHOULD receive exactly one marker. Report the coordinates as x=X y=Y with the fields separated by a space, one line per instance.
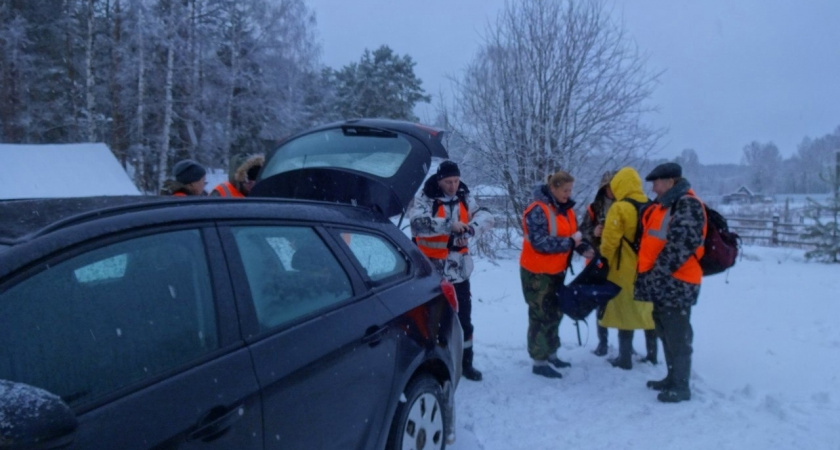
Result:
x=373 y=335
x=215 y=423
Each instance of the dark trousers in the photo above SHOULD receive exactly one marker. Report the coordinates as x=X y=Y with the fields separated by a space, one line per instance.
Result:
x=673 y=325
x=462 y=290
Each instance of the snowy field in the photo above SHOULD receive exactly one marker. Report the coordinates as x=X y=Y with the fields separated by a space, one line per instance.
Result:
x=765 y=375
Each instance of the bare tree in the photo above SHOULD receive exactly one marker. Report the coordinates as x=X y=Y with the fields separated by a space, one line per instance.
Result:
x=556 y=85
x=764 y=164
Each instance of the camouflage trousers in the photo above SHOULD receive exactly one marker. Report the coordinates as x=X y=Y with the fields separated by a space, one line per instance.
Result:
x=543 y=313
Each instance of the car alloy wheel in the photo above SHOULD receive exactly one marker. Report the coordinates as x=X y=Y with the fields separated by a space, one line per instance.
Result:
x=419 y=421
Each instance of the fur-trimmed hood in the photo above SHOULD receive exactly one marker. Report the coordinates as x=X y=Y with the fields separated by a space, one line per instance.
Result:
x=240 y=175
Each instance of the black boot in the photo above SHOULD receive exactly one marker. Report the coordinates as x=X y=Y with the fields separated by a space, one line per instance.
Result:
x=660 y=385
x=469 y=372
x=651 y=347
x=601 y=349
x=625 y=350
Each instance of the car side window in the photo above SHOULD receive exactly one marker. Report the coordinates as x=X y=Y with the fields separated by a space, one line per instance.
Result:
x=378 y=256
x=107 y=318
x=291 y=273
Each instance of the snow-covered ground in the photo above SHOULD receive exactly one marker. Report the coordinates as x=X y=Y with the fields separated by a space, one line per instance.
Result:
x=765 y=375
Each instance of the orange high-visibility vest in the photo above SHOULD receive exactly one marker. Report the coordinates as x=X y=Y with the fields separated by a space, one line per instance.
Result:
x=437 y=246
x=228 y=190
x=179 y=194
x=559 y=225
x=655 y=222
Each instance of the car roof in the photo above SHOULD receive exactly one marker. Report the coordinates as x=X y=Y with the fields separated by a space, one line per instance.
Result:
x=26 y=219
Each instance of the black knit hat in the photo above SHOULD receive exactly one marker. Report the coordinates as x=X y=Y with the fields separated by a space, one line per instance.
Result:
x=448 y=169
x=188 y=171
x=667 y=170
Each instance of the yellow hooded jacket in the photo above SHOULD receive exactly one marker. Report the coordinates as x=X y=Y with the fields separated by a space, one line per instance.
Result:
x=623 y=311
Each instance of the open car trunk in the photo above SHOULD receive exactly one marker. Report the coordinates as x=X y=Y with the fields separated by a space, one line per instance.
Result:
x=376 y=163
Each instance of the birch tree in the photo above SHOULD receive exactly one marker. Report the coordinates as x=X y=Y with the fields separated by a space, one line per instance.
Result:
x=556 y=85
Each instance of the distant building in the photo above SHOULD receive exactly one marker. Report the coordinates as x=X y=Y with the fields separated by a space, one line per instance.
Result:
x=745 y=195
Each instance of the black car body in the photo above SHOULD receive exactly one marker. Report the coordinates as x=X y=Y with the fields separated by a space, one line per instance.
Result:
x=220 y=323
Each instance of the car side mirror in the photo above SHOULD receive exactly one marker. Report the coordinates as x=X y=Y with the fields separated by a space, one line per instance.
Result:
x=31 y=417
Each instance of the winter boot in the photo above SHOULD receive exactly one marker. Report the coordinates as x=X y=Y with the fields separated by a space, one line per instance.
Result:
x=469 y=372
x=660 y=385
x=651 y=347
x=601 y=349
x=543 y=368
x=625 y=350
x=674 y=395
x=557 y=362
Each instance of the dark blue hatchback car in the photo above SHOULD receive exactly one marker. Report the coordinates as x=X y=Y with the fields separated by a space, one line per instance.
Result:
x=148 y=322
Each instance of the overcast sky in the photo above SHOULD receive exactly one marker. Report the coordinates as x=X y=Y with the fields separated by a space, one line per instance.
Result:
x=736 y=71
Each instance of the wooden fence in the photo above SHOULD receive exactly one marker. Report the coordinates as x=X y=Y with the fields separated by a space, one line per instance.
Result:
x=769 y=231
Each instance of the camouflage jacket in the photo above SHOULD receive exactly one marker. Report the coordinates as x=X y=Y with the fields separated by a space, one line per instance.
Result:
x=685 y=234
x=457 y=266
x=537 y=223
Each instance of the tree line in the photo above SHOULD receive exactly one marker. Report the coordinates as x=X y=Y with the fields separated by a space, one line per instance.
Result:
x=163 y=80
x=555 y=84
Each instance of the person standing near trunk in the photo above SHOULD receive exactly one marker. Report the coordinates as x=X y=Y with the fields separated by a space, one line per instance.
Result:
x=623 y=311
x=443 y=217
x=242 y=178
x=670 y=274
x=550 y=236
x=190 y=179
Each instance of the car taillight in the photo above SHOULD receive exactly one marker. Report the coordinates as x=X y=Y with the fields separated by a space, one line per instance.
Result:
x=449 y=292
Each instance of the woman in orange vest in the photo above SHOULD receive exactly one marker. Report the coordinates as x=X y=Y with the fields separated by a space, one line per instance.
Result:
x=669 y=272
x=550 y=234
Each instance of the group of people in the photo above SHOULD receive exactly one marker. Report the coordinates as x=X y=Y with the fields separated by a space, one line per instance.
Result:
x=190 y=178
x=659 y=272
x=659 y=280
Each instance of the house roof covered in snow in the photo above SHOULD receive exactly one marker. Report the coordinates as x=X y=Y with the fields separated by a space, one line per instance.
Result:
x=61 y=170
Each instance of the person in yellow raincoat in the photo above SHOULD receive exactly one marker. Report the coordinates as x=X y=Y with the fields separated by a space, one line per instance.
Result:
x=624 y=312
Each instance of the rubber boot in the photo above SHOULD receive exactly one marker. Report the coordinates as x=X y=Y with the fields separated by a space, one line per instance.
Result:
x=651 y=347
x=601 y=349
x=469 y=372
x=625 y=350
x=678 y=391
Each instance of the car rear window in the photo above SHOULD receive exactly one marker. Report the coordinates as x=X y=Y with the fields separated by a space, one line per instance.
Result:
x=375 y=152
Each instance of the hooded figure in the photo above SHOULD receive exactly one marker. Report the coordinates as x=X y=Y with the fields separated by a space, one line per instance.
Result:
x=242 y=179
x=624 y=312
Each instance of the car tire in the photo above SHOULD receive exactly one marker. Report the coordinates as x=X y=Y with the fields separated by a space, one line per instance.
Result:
x=419 y=422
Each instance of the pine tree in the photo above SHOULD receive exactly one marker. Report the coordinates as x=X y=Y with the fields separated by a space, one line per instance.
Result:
x=825 y=234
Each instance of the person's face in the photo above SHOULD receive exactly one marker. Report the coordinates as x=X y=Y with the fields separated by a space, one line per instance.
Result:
x=197 y=187
x=449 y=185
x=247 y=186
x=563 y=192
x=662 y=185
x=609 y=193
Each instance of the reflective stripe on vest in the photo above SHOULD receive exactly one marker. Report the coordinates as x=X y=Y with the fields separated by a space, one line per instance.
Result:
x=656 y=222
x=437 y=246
x=228 y=190
x=559 y=225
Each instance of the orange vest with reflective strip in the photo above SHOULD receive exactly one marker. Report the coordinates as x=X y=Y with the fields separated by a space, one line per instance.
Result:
x=559 y=225
x=228 y=190
x=655 y=223
x=436 y=246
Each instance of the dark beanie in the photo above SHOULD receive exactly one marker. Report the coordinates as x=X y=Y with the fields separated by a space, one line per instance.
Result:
x=188 y=171
x=667 y=170
x=448 y=169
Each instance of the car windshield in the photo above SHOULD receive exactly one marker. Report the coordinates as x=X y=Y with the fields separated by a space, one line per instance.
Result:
x=375 y=152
